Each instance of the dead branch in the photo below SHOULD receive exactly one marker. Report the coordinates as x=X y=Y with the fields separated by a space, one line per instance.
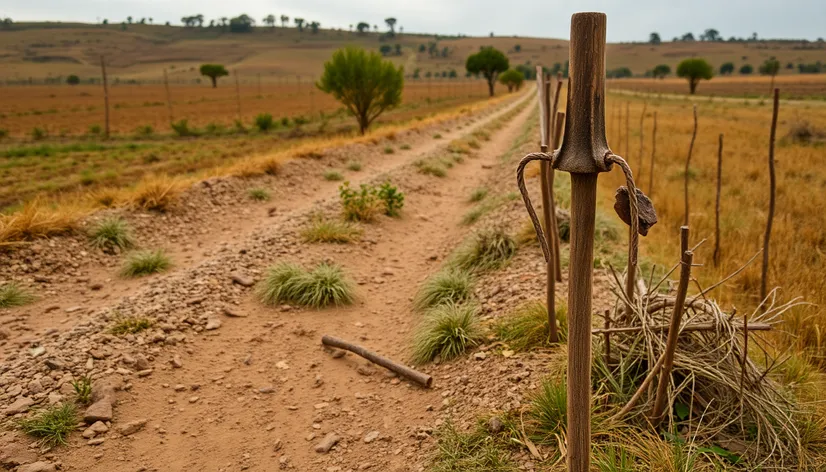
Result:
x=685 y=329
x=418 y=377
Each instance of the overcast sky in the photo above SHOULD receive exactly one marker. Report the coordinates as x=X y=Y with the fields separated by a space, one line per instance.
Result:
x=627 y=21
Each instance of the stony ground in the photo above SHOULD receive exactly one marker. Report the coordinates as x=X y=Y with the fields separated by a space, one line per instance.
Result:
x=222 y=383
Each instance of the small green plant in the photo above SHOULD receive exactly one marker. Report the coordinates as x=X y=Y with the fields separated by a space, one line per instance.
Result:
x=479 y=194
x=110 y=233
x=437 y=136
x=239 y=127
x=51 y=425
x=431 y=167
x=264 y=122
x=259 y=194
x=12 y=295
x=333 y=176
x=447 y=286
x=474 y=451
x=549 y=409
x=182 y=129
x=39 y=133
x=489 y=249
x=358 y=205
x=147 y=262
x=214 y=129
x=447 y=331
x=393 y=199
x=404 y=147
x=323 y=286
x=528 y=326
x=355 y=166
x=95 y=130
x=130 y=325
x=285 y=122
x=83 y=390
x=4 y=133
x=321 y=230
x=145 y=130
x=389 y=150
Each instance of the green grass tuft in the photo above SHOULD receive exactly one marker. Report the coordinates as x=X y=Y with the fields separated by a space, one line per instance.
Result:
x=549 y=409
x=474 y=451
x=490 y=249
x=141 y=263
x=431 y=167
x=130 y=325
x=12 y=295
x=83 y=390
x=110 y=233
x=323 y=286
x=479 y=194
x=355 y=166
x=389 y=150
x=528 y=326
x=322 y=230
x=447 y=286
x=51 y=425
x=259 y=194
x=437 y=136
x=447 y=331
x=404 y=147
x=333 y=176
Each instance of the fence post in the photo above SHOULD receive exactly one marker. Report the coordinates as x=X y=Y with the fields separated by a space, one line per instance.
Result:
x=543 y=91
x=168 y=97
x=237 y=93
x=772 y=192
x=105 y=97
x=583 y=155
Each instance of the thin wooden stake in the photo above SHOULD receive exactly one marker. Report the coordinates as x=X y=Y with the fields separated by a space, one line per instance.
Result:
x=642 y=122
x=105 y=98
x=716 y=256
x=772 y=192
x=660 y=399
x=684 y=233
x=237 y=94
x=628 y=131
x=687 y=162
x=168 y=97
x=543 y=90
x=653 y=154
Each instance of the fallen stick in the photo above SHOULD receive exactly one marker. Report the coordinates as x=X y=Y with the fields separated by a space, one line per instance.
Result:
x=418 y=377
x=686 y=328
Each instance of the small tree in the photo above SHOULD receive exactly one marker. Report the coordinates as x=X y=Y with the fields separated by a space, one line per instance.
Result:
x=73 y=80
x=654 y=38
x=517 y=48
x=661 y=71
x=695 y=70
x=284 y=20
x=299 y=23
x=746 y=69
x=314 y=25
x=391 y=23
x=489 y=62
x=214 y=71
x=727 y=68
x=363 y=82
x=363 y=28
x=512 y=79
x=386 y=49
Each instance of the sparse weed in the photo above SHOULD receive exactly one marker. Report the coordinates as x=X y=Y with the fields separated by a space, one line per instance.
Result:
x=393 y=199
x=145 y=130
x=431 y=167
x=83 y=390
x=157 y=193
x=322 y=230
x=39 y=134
x=142 y=263
x=447 y=331
x=12 y=295
x=528 y=326
x=130 y=325
x=95 y=130
x=479 y=194
x=110 y=233
x=437 y=136
x=264 y=122
x=333 y=175
x=182 y=129
x=389 y=150
x=358 y=205
x=488 y=250
x=323 y=286
x=474 y=451
x=355 y=166
x=447 y=286
x=405 y=147
x=51 y=425
x=259 y=194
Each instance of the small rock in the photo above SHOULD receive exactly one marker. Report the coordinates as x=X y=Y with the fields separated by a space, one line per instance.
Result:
x=242 y=280
x=282 y=365
x=95 y=441
x=20 y=406
x=213 y=323
x=99 y=411
x=176 y=362
x=131 y=427
x=338 y=353
x=54 y=364
x=371 y=436
x=38 y=467
x=327 y=443
x=495 y=425
x=365 y=370
x=233 y=312
x=267 y=389
x=480 y=356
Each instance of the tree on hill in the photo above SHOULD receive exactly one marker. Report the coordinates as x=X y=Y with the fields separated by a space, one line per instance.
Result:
x=214 y=71
x=654 y=38
x=73 y=80
x=363 y=28
x=391 y=23
x=129 y=19
x=199 y=18
x=363 y=82
x=299 y=23
x=105 y=21
x=224 y=23
x=512 y=79
x=710 y=34
x=422 y=48
x=284 y=20
x=151 y=21
x=314 y=25
x=269 y=20
x=619 y=73
x=661 y=71
x=489 y=62
x=688 y=37
x=695 y=70
x=727 y=68
x=746 y=69
x=241 y=24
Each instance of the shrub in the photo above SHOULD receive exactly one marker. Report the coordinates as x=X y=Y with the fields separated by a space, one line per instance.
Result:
x=333 y=175
x=447 y=286
x=474 y=451
x=264 y=122
x=4 y=133
x=512 y=79
x=358 y=205
x=490 y=249
x=437 y=136
x=393 y=199
x=51 y=425
x=288 y=283
x=214 y=72
x=73 y=79
x=259 y=194
x=39 y=133
x=404 y=147
x=130 y=325
x=389 y=150
x=110 y=233
x=321 y=230
x=95 y=130
x=142 y=263
x=285 y=122
x=12 y=295
x=182 y=129
x=355 y=166
x=215 y=129
x=83 y=390
x=528 y=326
x=447 y=331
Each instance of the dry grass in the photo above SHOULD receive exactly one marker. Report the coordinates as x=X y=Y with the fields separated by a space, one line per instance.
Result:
x=38 y=219
x=324 y=230
x=157 y=193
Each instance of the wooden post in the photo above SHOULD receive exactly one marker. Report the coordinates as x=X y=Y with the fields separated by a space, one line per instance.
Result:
x=671 y=343
x=543 y=92
x=653 y=154
x=557 y=138
x=642 y=122
x=683 y=239
x=105 y=97
x=237 y=93
x=583 y=154
x=716 y=257
x=628 y=132
x=168 y=97
x=772 y=190
x=687 y=162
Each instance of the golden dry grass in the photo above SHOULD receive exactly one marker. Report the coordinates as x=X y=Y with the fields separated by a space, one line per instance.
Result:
x=38 y=219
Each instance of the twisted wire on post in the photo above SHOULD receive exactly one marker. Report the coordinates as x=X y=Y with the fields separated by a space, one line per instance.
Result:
x=520 y=182
x=632 y=198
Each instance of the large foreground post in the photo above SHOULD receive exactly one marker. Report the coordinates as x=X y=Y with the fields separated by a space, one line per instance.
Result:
x=583 y=154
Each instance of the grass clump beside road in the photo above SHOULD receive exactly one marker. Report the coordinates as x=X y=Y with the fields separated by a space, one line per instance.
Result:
x=259 y=194
x=147 y=262
x=130 y=325
x=432 y=167
x=12 y=295
x=51 y=425
x=325 y=285
x=488 y=250
x=447 y=331
x=475 y=451
x=323 y=230
x=157 y=193
x=447 y=286
x=111 y=233
x=527 y=327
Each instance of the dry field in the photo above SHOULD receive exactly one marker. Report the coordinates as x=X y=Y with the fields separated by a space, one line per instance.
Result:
x=802 y=86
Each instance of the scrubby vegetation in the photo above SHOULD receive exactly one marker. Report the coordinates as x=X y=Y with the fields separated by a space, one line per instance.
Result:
x=51 y=425
x=447 y=331
x=322 y=286
x=324 y=230
x=111 y=233
x=447 y=286
x=12 y=295
x=145 y=262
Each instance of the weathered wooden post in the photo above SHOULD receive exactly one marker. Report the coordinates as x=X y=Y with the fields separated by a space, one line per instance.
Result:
x=168 y=97
x=237 y=94
x=772 y=192
x=105 y=96
x=583 y=154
